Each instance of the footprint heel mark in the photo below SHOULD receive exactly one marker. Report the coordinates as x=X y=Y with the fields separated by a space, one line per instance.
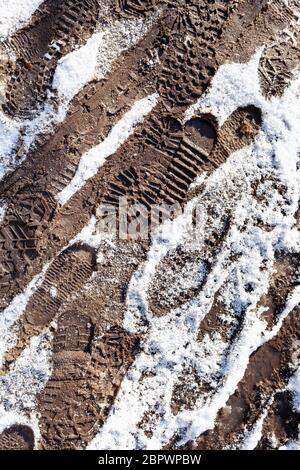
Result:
x=62 y=179
x=189 y=67
x=57 y=28
x=17 y=437
x=98 y=98
x=66 y=276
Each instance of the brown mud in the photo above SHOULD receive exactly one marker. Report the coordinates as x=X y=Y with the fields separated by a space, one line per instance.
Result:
x=91 y=354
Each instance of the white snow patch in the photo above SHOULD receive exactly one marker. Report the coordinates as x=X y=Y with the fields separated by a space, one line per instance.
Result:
x=14 y=14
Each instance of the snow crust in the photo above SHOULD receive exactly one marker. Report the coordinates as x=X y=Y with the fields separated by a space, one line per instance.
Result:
x=15 y=15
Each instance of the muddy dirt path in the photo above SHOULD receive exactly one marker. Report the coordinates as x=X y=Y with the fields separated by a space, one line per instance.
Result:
x=82 y=298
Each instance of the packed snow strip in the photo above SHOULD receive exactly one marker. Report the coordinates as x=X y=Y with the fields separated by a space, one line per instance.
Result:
x=14 y=14
x=19 y=388
x=92 y=160
x=91 y=61
x=171 y=345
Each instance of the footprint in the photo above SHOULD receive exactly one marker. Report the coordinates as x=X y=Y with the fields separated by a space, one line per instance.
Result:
x=55 y=30
x=278 y=61
x=87 y=373
x=176 y=155
x=17 y=437
x=67 y=274
x=266 y=373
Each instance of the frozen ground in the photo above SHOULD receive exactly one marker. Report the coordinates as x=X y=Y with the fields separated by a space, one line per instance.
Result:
x=170 y=347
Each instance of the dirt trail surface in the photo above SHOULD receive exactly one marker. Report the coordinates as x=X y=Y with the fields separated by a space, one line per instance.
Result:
x=149 y=235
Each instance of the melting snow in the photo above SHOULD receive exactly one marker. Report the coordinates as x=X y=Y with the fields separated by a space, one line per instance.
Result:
x=19 y=388
x=253 y=437
x=294 y=387
x=14 y=311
